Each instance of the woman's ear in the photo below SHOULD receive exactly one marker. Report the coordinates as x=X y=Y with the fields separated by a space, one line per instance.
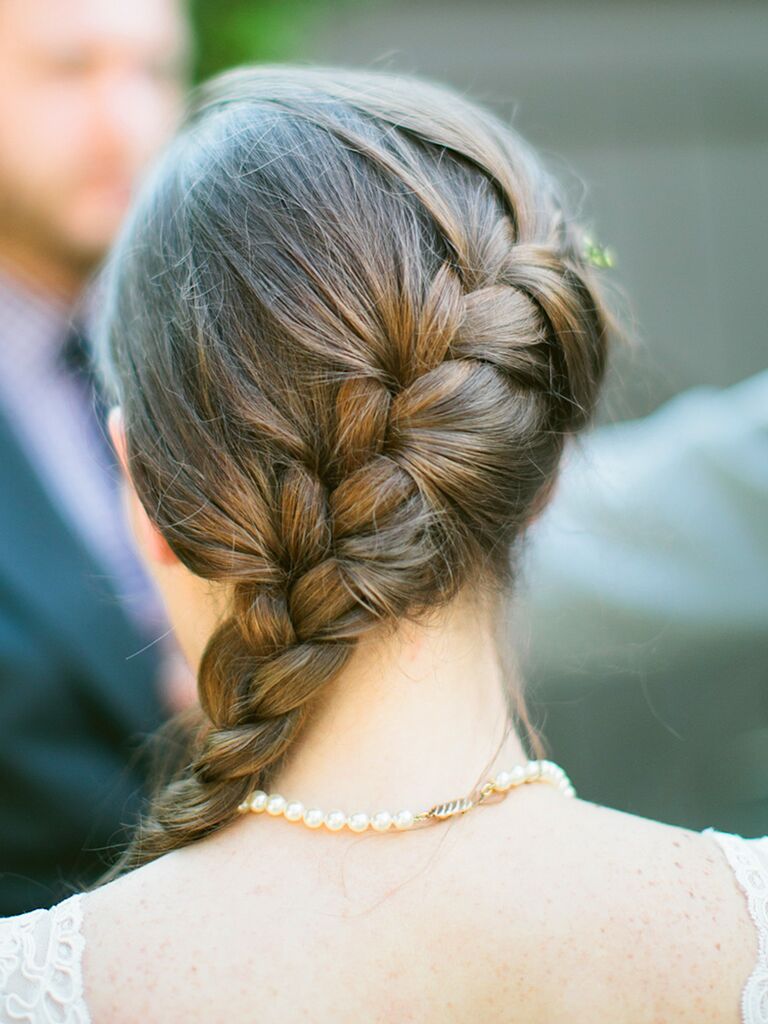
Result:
x=150 y=542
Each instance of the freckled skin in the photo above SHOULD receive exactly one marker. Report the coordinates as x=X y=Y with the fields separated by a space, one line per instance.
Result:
x=536 y=910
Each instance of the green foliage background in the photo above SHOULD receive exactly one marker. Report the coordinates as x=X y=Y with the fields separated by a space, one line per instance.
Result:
x=232 y=32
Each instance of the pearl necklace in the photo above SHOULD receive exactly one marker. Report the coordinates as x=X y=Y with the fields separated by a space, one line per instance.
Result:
x=293 y=810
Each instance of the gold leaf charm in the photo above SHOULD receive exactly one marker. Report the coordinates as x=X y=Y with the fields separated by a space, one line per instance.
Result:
x=447 y=810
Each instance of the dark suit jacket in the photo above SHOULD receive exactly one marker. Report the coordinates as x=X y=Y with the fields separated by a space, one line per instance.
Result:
x=75 y=704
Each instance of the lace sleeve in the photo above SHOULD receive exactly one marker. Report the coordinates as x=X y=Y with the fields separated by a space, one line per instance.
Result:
x=749 y=860
x=40 y=966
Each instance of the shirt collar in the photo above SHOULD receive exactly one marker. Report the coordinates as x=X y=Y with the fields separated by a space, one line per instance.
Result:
x=34 y=324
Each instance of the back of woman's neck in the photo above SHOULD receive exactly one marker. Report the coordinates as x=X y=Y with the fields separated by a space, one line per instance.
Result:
x=411 y=721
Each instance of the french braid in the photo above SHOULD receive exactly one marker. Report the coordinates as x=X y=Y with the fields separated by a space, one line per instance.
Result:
x=350 y=328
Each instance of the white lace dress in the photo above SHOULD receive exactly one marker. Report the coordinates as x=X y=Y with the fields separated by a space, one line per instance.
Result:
x=41 y=952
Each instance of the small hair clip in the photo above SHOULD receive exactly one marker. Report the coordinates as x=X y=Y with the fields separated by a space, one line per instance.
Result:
x=598 y=255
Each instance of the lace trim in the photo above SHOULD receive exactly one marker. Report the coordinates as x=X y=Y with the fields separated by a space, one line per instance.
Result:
x=41 y=953
x=752 y=876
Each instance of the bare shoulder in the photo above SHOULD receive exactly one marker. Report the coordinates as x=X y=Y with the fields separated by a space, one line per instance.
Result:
x=537 y=909
x=640 y=921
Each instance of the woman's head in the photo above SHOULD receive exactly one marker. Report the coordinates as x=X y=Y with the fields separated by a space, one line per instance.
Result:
x=350 y=327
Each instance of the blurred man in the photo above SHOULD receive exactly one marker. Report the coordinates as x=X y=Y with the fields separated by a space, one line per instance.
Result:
x=89 y=90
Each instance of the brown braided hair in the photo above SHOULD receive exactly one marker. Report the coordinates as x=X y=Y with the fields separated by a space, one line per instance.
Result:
x=350 y=328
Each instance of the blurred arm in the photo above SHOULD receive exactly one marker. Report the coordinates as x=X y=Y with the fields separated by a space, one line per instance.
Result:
x=656 y=541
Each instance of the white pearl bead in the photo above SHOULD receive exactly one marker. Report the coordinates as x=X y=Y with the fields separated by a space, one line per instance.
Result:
x=503 y=781
x=517 y=775
x=533 y=770
x=313 y=817
x=334 y=820
x=403 y=819
x=293 y=810
x=258 y=801
x=275 y=804
x=359 y=822
x=381 y=821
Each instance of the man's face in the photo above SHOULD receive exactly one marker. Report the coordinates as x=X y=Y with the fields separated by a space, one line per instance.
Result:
x=89 y=90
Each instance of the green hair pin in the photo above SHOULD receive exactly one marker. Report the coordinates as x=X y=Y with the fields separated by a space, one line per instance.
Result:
x=598 y=255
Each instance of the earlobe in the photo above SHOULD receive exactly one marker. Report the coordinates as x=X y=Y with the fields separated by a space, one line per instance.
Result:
x=149 y=540
x=155 y=544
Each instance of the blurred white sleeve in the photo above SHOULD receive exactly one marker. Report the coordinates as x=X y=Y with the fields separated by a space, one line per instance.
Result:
x=656 y=541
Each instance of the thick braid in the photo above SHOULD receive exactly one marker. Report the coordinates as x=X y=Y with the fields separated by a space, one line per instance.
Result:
x=363 y=553
x=352 y=558
x=394 y=534
x=347 y=415
x=349 y=559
